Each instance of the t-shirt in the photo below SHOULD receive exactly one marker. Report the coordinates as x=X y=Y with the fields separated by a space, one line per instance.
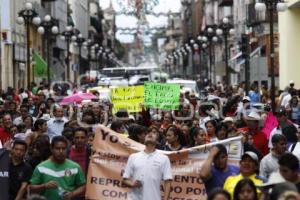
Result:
x=18 y=174
x=260 y=141
x=68 y=175
x=80 y=158
x=4 y=135
x=218 y=177
x=268 y=165
x=150 y=169
x=232 y=181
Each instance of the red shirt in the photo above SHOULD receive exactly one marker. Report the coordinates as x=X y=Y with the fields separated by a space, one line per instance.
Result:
x=4 y=135
x=80 y=157
x=260 y=141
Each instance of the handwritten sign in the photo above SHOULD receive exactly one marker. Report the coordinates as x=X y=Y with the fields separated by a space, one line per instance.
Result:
x=129 y=98
x=162 y=96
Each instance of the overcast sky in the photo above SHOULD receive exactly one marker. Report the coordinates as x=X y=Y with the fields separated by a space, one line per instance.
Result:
x=130 y=21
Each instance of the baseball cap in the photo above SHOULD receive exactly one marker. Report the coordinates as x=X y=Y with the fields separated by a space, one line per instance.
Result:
x=252 y=155
x=291 y=82
x=228 y=119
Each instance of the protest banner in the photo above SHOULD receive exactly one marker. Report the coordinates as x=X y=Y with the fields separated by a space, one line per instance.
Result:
x=111 y=151
x=162 y=95
x=129 y=98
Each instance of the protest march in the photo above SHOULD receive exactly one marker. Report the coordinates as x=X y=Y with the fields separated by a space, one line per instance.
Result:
x=153 y=141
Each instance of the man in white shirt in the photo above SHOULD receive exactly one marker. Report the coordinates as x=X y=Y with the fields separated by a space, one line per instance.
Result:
x=56 y=124
x=145 y=170
x=269 y=163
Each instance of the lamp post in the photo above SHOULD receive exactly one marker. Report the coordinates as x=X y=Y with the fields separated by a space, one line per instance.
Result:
x=271 y=5
x=193 y=52
x=226 y=29
x=26 y=16
x=69 y=35
x=99 y=57
x=88 y=45
x=79 y=43
x=48 y=27
x=202 y=46
x=210 y=37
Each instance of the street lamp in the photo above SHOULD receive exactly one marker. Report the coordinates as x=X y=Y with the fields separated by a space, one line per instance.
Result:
x=201 y=46
x=79 y=42
x=208 y=38
x=68 y=35
x=226 y=29
x=271 y=5
x=26 y=16
x=88 y=45
x=48 y=27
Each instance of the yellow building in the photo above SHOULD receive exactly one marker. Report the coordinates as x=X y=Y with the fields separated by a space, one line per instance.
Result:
x=289 y=48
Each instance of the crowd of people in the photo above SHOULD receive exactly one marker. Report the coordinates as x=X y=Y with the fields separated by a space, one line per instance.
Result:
x=50 y=144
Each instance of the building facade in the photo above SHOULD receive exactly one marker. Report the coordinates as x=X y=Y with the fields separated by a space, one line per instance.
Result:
x=289 y=40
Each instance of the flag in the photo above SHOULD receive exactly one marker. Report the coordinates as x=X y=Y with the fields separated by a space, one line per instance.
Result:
x=40 y=66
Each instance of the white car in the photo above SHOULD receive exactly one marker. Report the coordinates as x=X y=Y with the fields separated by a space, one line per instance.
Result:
x=138 y=79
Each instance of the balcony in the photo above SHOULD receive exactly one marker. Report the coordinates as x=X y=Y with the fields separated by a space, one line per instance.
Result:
x=255 y=18
x=225 y=3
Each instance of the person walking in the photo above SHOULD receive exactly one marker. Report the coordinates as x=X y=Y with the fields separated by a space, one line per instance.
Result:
x=58 y=178
x=145 y=170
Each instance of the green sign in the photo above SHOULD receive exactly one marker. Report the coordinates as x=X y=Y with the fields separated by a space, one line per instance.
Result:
x=162 y=96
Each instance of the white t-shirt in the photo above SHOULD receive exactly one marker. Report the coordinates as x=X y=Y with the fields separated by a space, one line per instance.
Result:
x=150 y=169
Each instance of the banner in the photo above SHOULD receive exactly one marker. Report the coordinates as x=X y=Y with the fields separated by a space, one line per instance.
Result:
x=129 y=98
x=111 y=151
x=4 y=173
x=162 y=95
x=40 y=67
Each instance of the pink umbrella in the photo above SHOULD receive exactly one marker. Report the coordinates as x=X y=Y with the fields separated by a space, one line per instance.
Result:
x=77 y=98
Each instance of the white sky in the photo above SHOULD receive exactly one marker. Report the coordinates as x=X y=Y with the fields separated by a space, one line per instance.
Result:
x=130 y=21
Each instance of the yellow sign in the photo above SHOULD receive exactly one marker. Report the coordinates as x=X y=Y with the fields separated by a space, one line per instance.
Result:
x=129 y=98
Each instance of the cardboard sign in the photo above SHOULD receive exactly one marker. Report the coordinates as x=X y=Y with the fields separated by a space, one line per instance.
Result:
x=162 y=96
x=129 y=98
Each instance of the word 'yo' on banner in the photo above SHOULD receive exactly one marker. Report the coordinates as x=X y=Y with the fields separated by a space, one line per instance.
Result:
x=111 y=151
x=162 y=95
x=128 y=98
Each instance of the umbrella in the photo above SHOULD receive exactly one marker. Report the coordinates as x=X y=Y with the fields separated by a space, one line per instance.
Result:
x=77 y=98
